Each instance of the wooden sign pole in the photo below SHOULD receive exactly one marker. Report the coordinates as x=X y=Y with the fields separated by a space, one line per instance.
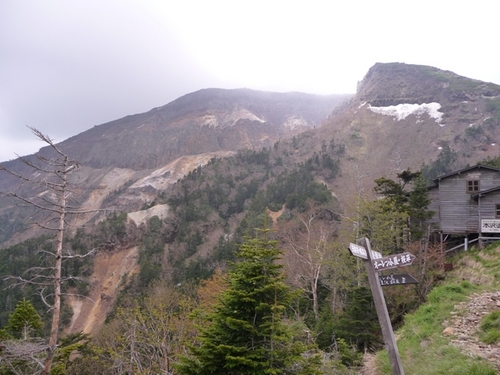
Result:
x=383 y=315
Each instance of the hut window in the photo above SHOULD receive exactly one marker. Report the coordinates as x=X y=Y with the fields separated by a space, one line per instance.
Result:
x=497 y=210
x=472 y=186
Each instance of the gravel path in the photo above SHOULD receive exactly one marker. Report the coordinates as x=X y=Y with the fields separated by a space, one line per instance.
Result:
x=464 y=326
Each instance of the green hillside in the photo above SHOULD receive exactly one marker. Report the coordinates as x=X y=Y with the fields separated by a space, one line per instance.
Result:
x=457 y=330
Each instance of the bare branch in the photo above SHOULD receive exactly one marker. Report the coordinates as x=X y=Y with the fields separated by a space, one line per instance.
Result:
x=79 y=256
x=32 y=269
x=34 y=204
x=77 y=278
x=23 y=282
x=18 y=348
x=44 y=300
x=45 y=227
x=46 y=139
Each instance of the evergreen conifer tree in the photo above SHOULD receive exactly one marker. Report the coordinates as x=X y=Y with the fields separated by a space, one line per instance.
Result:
x=358 y=324
x=247 y=333
x=24 y=320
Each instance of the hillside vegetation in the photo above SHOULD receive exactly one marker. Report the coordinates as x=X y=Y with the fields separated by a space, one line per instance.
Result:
x=457 y=330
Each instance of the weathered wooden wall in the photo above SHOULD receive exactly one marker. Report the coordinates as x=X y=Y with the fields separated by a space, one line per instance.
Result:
x=458 y=211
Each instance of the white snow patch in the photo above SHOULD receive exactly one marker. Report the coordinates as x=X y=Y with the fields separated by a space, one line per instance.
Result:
x=362 y=104
x=401 y=111
x=440 y=148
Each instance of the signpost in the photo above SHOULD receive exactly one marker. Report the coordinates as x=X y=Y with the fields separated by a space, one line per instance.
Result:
x=374 y=262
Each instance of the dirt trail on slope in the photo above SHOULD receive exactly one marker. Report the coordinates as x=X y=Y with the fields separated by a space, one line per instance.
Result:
x=464 y=326
x=90 y=313
x=275 y=215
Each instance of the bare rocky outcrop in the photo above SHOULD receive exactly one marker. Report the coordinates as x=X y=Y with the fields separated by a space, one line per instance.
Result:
x=112 y=271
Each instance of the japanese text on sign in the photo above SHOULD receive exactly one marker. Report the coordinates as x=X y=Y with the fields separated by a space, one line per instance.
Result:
x=393 y=261
x=391 y=280
x=360 y=252
x=490 y=225
x=399 y=279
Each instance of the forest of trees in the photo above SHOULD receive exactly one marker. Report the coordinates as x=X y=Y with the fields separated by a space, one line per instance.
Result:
x=268 y=297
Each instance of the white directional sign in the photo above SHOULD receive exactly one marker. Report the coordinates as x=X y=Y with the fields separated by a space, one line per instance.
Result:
x=393 y=261
x=360 y=252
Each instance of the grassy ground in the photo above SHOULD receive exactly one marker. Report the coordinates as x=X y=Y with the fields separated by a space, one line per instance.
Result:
x=423 y=348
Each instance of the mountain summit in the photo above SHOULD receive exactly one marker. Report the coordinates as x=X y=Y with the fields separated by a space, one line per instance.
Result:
x=404 y=116
x=396 y=83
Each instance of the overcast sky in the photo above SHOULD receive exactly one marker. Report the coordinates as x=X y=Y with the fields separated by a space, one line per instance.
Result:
x=66 y=66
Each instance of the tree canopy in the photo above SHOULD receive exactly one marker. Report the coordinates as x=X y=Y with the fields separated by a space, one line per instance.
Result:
x=24 y=320
x=247 y=332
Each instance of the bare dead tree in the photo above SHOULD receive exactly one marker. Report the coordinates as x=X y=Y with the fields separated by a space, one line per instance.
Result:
x=52 y=203
x=306 y=256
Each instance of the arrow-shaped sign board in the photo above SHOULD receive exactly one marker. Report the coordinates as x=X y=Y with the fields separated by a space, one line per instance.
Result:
x=393 y=261
x=360 y=252
x=401 y=279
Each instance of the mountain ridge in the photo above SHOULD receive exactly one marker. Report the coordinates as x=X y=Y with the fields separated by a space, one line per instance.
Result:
x=207 y=120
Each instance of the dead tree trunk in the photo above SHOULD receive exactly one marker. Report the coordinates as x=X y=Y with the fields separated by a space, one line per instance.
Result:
x=56 y=308
x=50 y=174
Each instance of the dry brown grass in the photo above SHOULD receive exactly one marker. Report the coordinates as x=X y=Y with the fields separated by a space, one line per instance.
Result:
x=369 y=365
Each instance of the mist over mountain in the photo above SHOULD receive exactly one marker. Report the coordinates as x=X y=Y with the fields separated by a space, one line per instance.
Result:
x=205 y=121
x=158 y=147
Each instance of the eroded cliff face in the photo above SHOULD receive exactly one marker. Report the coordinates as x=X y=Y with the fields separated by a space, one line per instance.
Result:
x=112 y=271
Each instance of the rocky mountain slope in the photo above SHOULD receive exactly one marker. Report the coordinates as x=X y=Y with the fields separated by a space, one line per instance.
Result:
x=401 y=117
x=404 y=116
x=205 y=121
x=126 y=162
